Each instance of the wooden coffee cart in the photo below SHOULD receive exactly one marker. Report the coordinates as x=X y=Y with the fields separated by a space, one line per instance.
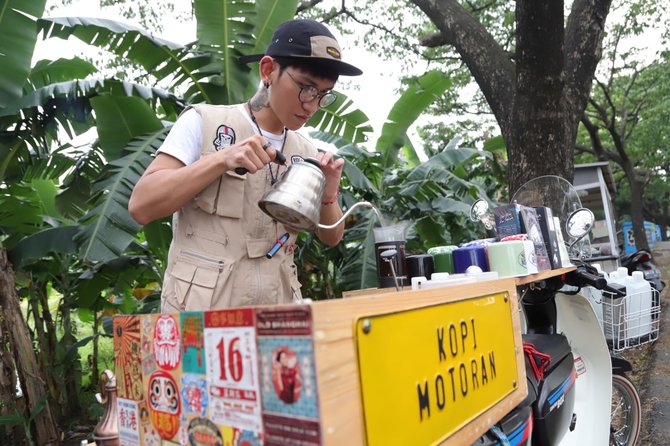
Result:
x=378 y=367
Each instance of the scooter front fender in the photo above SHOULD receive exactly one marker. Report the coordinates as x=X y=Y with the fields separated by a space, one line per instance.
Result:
x=578 y=322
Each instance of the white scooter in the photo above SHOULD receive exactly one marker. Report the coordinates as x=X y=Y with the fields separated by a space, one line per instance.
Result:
x=578 y=393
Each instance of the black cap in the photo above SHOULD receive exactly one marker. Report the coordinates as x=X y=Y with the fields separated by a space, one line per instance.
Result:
x=306 y=39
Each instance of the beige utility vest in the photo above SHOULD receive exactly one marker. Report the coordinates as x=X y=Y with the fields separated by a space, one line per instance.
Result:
x=220 y=239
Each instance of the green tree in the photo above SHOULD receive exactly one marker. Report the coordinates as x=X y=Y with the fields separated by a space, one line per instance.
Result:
x=534 y=71
x=618 y=123
x=625 y=119
x=653 y=139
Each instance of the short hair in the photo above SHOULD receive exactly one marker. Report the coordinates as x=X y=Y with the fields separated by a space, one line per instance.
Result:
x=313 y=67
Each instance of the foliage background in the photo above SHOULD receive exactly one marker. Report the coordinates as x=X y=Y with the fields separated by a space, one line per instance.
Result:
x=79 y=258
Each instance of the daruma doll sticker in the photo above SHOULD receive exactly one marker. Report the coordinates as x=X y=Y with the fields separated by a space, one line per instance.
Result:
x=166 y=342
x=164 y=404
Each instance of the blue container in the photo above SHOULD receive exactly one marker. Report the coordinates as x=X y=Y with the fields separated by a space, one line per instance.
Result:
x=470 y=255
x=652 y=231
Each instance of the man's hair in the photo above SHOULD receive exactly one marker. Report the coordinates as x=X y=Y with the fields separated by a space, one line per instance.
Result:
x=313 y=67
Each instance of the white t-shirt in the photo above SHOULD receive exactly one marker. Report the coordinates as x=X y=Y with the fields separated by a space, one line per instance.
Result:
x=185 y=138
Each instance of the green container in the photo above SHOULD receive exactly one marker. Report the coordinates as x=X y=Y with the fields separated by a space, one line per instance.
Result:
x=442 y=258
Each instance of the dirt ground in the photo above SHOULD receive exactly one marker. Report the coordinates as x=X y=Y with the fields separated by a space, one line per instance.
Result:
x=640 y=357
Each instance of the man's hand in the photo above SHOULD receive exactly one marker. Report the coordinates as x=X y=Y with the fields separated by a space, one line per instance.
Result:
x=252 y=154
x=332 y=170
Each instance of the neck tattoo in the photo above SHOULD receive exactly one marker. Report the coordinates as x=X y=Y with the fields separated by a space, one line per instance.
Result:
x=273 y=175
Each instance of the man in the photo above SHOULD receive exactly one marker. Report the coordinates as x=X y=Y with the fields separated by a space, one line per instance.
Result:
x=217 y=258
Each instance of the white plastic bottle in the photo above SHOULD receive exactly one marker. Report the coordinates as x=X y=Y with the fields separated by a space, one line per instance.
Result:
x=614 y=309
x=595 y=296
x=623 y=273
x=638 y=308
x=620 y=276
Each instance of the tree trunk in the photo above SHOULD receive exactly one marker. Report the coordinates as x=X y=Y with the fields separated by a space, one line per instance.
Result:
x=46 y=358
x=73 y=366
x=8 y=435
x=95 y=373
x=539 y=142
x=636 y=201
x=45 y=427
x=661 y=212
x=539 y=98
x=664 y=218
x=48 y=350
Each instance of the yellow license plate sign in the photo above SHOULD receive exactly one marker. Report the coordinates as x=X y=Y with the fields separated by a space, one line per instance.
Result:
x=425 y=373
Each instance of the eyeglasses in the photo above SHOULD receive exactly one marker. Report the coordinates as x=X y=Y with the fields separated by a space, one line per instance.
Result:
x=308 y=93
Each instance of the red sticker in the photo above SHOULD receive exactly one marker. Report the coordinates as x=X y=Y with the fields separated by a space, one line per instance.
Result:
x=166 y=342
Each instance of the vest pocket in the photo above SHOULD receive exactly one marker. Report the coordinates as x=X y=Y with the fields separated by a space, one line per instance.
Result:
x=192 y=281
x=230 y=201
x=223 y=197
x=206 y=198
x=292 y=288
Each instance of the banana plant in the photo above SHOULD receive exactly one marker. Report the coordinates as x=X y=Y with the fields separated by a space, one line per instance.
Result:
x=17 y=42
x=433 y=196
x=206 y=70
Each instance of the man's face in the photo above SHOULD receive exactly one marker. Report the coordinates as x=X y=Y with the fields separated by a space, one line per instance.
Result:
x=285 y=101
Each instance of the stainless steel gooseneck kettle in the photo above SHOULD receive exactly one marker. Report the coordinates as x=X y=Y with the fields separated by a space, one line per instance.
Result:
x=295 y=200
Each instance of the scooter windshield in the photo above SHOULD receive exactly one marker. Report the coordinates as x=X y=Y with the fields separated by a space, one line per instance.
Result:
x=561 y=197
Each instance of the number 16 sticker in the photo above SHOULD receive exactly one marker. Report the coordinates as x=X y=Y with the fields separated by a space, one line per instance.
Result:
x=232 y=377
x=231 y=356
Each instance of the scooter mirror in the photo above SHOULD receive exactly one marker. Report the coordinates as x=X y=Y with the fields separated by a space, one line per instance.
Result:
x=480 y=212
x=579 y=223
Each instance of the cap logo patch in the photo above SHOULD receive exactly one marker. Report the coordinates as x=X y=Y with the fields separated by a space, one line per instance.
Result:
x=333 y=52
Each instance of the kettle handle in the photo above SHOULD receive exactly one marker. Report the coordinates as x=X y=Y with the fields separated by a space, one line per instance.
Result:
x=280 y=158
x=313 y=161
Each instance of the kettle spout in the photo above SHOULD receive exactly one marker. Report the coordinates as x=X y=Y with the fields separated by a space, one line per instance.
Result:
x=341 y=219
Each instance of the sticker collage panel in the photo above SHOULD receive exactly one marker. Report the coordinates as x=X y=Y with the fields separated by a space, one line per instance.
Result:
x=210 y=379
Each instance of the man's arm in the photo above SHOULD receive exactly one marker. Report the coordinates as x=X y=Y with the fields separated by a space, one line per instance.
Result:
x=168 y=184
x=330 y=208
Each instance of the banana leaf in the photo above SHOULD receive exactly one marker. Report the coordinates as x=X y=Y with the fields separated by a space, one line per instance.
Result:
x=18 y=36
x=414 y=101
x=108 y=229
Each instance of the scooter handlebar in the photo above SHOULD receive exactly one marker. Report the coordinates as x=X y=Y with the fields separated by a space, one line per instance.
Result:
x=614 y=291
x=582 y=277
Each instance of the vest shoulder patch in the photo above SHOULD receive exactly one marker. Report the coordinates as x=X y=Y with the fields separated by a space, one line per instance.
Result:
x=225 y=137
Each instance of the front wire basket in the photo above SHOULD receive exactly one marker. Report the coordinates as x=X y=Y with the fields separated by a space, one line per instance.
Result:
x=631 y=320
